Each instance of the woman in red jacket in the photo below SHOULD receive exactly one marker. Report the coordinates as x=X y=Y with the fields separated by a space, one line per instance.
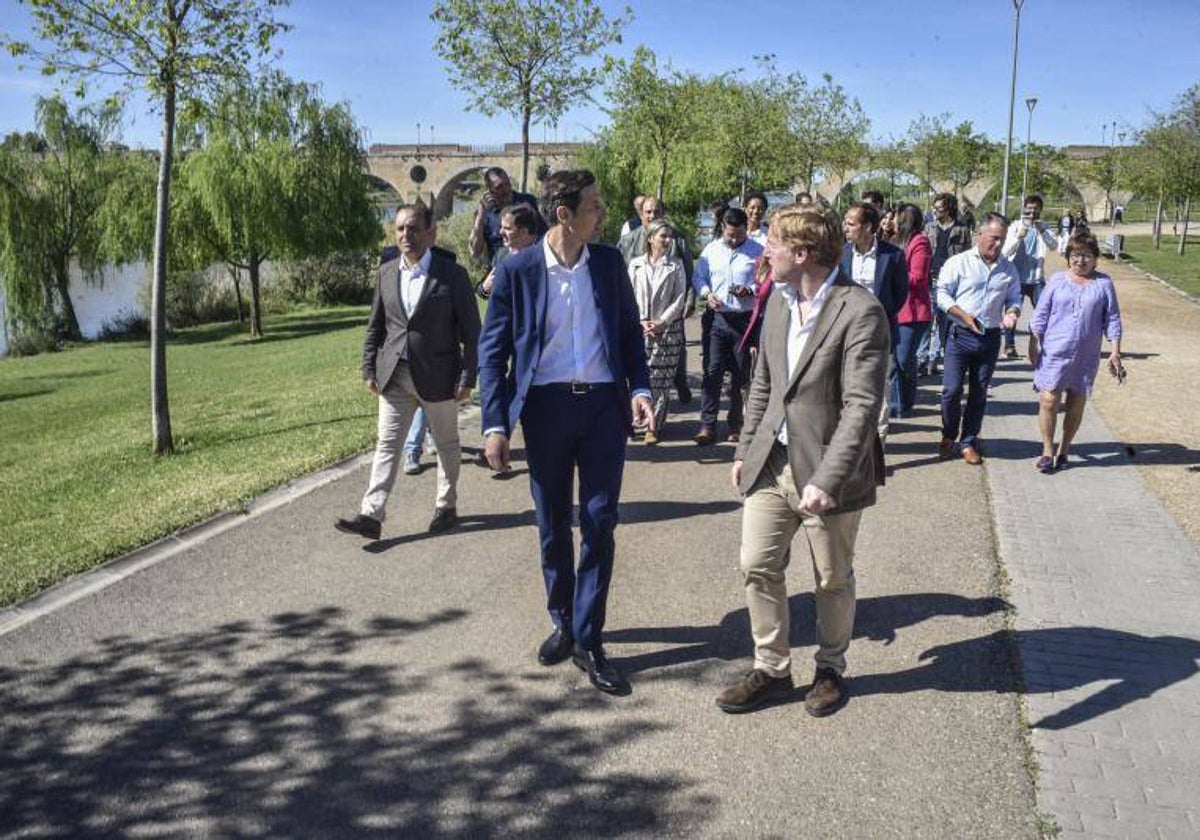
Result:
x=916 y=314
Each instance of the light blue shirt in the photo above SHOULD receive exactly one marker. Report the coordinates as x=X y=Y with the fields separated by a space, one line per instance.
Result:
x=979 y=289
x=412 y=281
x=573 y=343
x=720 y=268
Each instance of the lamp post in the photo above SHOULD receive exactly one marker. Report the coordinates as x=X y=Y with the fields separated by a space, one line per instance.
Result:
x=418 y=139
x=1029 y=103
x=431 y=141
x=1012 y=103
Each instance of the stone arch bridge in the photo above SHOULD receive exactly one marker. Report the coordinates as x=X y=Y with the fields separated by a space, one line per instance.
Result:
x=1090 y=194
x=434 y=173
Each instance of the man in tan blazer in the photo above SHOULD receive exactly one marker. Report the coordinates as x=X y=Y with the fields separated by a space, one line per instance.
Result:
x=810 y=458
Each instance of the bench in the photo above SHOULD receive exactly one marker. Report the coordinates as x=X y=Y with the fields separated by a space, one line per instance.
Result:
x=1114 y=244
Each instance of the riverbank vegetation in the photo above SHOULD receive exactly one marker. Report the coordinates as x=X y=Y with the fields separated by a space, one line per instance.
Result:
x=79 y=486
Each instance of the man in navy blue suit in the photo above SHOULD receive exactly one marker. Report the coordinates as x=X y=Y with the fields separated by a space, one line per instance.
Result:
x=562 y=351
x=879 y=267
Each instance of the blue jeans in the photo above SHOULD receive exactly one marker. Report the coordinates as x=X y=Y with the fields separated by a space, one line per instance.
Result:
x=970 y=360
x=416 y=433
x=724 y=337
x=1033 y=291
x=904 y=377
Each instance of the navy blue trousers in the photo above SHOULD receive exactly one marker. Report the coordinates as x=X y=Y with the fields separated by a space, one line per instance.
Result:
x=566 y=432
x=970 y=360
x=724 y=354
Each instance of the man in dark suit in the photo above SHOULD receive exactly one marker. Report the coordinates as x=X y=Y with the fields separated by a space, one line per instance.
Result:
x=879 y=267
x=809 y=459
x=562 y=351
x=420 y=351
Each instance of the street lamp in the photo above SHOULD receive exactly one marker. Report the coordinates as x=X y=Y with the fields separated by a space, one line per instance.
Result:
x=418 y=138
x=1029 y=103
x=1012 y=103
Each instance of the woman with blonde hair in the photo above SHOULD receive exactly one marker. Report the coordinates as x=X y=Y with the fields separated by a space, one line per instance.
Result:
x=660 y=287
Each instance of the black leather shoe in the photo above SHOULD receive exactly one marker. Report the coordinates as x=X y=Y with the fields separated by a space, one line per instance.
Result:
x=364 y=526
x=602 y=673
x=685 y=395
x=443 y=520
x=556 y=648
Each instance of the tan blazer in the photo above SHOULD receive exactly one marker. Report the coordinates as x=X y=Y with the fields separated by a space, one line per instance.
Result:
x=831 y=403
x=667 y=301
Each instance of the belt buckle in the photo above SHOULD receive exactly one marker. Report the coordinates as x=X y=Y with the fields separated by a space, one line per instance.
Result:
x=579 y=388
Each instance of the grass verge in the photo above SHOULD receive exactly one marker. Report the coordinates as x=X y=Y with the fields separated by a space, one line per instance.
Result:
x=1181 y=272
x=77 y=482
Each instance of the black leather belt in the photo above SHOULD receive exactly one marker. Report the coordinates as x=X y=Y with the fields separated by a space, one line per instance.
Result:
x=576 y=387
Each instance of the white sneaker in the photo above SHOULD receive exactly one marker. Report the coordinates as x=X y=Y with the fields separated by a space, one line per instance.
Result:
x=412 y=463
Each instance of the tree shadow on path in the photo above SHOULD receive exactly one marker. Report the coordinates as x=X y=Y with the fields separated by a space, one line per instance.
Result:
x=305 y=724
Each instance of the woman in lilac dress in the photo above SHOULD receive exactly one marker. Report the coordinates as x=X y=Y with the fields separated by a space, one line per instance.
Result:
x=1076 y=312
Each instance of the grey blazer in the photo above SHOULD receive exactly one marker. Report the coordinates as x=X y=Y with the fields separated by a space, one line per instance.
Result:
x=831 y=403
x=439 y=341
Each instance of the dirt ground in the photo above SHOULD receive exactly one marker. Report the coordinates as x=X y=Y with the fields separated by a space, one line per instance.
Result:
x=1155 y=413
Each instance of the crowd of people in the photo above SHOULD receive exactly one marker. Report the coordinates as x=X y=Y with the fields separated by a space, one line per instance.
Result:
x=821 y=324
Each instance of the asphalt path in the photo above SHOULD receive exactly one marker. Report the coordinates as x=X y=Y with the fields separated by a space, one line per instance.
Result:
x=280 y=678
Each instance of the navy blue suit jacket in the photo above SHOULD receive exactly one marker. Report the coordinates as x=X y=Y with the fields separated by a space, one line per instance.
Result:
x=891 y=278
x=510 y=343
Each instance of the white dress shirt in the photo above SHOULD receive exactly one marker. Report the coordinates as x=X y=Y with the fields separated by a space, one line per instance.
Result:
x=799 y=329
x=863 y=266
x=573 y=341
x=977 y=288
x=412 y=280
x=720 y=268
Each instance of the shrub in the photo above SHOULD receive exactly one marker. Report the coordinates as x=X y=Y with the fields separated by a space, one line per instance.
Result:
x=128 y=326
x=31 y=342
x=454 y=234
x=193 y=297
x=347 y=277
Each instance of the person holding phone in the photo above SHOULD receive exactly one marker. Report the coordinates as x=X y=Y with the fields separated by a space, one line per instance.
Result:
x=1025 y=246
x=1077 y=311
x=980 y=292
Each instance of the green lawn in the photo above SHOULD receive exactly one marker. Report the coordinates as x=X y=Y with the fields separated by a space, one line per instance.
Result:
x=1182 y=272
x=77 y=482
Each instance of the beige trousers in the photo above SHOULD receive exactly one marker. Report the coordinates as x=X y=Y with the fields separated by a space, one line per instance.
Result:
x=770 y=520
x=397 y=404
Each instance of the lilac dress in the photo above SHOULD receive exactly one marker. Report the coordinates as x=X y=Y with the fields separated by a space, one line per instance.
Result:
x=1071 y=320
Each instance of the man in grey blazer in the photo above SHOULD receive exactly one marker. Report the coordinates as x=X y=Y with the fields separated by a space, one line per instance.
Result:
x=420 y=350
x=810 y=457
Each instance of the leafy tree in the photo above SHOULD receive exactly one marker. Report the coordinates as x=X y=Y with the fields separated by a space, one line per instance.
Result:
x=828 y=127
x=176 y=50
x=957 y=154
x=54 y=184
x=893 y=160
x=524 y=57
x=278 y=173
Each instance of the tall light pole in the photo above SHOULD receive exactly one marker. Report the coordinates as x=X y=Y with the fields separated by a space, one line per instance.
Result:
x=1029 y=103
x=418 y=138
x=1012 y=103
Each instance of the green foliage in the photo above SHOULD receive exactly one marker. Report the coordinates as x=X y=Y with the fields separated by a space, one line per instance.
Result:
x=346 y=277
x=274 y=173
x=52 y=195
x=528 y=58
x=827 y=126
x=453 y=234
x=957 y=154
x=194 y=298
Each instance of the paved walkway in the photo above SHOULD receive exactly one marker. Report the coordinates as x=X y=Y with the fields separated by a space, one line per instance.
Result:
x=278 y=678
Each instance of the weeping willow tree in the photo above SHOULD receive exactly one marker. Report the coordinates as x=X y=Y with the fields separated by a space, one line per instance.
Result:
x=52 y=208
x=278 y=173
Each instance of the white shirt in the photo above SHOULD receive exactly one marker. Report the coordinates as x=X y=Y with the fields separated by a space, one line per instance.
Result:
x=977 y=288
x=759 y=236
x=720 y=268
x=863 y=266
x=799 y=329
x=412 y=281
x=573 y=341
x=1027 y=250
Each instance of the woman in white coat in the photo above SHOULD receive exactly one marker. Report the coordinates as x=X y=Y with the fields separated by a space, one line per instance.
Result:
x=660 y=286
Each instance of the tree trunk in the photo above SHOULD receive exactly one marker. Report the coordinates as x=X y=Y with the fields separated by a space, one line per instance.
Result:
x=662 y=177
x=1158 y=220
x=1187 y=217
x=236 y=276
x=160 y=412
x=255 y=262
x=525 y=117
x=62 y=281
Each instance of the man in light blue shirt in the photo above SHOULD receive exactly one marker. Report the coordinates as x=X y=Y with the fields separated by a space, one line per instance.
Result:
x=725 y=280
x=980 y=292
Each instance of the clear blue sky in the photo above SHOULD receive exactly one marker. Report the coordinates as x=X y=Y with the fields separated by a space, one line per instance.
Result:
x=1089 y=63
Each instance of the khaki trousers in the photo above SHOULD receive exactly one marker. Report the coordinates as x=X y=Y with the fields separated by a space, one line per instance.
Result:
x=398 y=402
x=770 y=520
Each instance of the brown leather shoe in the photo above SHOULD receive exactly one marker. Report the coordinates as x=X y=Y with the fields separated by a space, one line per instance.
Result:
x=753 y=690
x=735 y=435
x=705 y=437
x=946 y=449
x=971 y=455
x=827 y=693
